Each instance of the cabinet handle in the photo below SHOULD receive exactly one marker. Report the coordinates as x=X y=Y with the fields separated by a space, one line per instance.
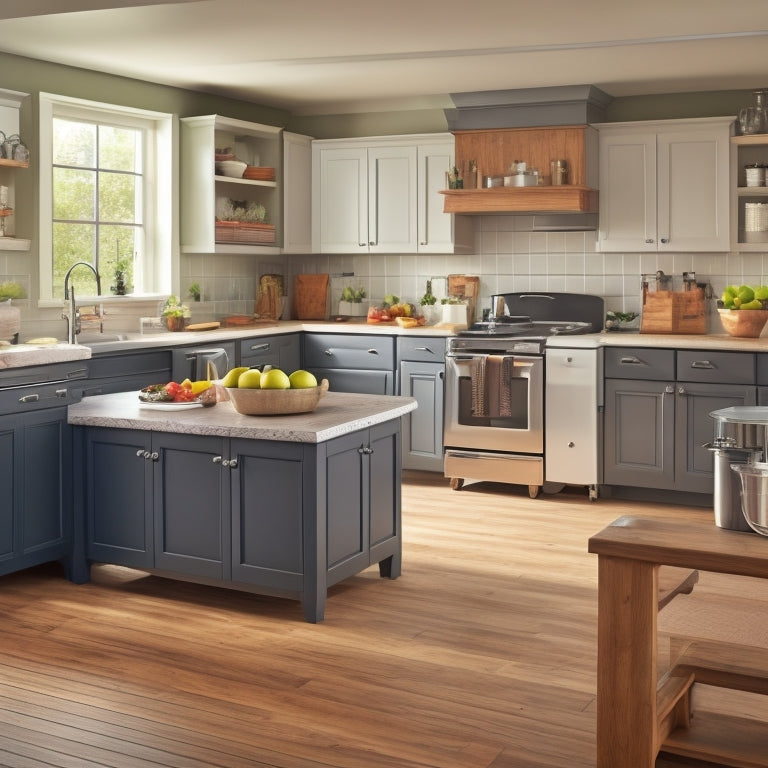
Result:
x=702 y=364
x=216 y=459
x=423 y=242
x=62 y=392
x=259 y=347
x=424 y=349
x=29 y=398
x=373 y=242
x=328 y=352
x=649 y=240
x=362 y=245
x=233 y=463
x=665 y=240
x=364 y=450
x=140 y=453
x=361 y=450
x=571 y=444
x=373 y=351
x=631 y=361
x=154 y=455
x=681 y=391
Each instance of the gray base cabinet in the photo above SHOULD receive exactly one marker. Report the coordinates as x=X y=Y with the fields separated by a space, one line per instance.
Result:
x=657 y=406
x=279 y=518
x=422 y=372
x=36 y=478
x=423 y=428
x=283 y=352
x=125 y=371
x=352 y=363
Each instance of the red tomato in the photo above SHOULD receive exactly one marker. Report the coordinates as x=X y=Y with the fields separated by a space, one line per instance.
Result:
x=173 y=388
x=184 y=395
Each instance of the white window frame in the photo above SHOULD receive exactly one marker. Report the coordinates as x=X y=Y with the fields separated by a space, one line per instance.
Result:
x=160 y=266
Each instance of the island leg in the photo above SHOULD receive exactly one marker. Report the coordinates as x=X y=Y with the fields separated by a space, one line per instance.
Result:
x=626 y=663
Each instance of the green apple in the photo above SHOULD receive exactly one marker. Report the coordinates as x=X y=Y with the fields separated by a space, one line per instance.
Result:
x=302 y=380
x=274 y=378
x=250 y=378
x=761 y=293
x=231 y=377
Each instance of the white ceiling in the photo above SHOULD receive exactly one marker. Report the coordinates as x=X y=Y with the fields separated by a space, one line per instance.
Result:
x=338 y=56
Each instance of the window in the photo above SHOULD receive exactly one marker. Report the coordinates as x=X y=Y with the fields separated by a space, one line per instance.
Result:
x=106 y=180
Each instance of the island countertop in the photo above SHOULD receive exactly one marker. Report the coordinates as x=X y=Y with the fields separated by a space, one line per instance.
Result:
x=337 y=414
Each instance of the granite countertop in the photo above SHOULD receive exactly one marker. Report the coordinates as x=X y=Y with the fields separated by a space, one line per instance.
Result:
x=337 y=414
x=21 y=355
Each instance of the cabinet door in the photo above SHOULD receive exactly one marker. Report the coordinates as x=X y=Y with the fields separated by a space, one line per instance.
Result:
x=119 y=497
x=384 y=534
x=268 y=498
x=191 y=505
x=47 y=465
x=423 y=428
x=297 y=193
x=340 y=216
x=694 y=465
x=347 y=484
x=435 y=228
x=693 y=190
x=639 y=433
x=9 y=480
x=392 y=174
x=627 y=191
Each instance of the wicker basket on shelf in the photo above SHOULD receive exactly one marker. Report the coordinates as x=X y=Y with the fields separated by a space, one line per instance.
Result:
x=241 y=232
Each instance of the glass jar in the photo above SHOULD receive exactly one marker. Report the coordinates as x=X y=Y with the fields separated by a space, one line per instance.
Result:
x=755 y=119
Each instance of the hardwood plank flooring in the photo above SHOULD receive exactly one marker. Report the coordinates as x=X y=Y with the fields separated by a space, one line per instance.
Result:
x=481 y=655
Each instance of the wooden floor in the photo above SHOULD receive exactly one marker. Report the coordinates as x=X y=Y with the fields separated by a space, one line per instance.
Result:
x=481 y=655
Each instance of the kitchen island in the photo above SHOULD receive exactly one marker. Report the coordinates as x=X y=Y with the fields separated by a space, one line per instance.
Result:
x=276 y=505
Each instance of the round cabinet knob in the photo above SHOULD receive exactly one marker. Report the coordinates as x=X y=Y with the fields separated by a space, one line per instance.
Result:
x=571 y=444
x=665 y=240
x=649 y=240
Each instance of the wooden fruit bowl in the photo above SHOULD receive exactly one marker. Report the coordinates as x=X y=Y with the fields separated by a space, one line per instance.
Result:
x=274 y=402
x=746 y=323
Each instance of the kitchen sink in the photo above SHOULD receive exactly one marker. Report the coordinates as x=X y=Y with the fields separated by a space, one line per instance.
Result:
x=91 y=339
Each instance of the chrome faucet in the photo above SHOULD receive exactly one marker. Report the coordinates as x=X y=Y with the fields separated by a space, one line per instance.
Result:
x=73 y=318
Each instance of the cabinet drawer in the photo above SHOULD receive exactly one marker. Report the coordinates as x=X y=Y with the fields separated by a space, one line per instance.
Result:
x=639 y=363
x=716 y=367
x=421 y=350
x=330 y=350
x=280 y=351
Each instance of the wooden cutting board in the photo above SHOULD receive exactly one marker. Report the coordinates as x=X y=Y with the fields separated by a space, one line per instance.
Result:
x=465 y=287
x=203 y=326
x=310 y=296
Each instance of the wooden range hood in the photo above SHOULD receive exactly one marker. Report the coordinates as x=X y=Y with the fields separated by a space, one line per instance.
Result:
x=495 y=149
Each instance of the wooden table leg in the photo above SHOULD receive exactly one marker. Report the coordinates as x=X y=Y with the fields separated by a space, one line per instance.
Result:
x=626 y=663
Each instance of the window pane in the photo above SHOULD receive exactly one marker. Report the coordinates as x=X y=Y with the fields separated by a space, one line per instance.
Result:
x=119 y=149
x=71 y=243
x=116 y=244
x=74 y=194
x=74 y=143
x=117 y=197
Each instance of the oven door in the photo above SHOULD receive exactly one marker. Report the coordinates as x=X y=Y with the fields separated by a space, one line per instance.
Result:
x=494 y=402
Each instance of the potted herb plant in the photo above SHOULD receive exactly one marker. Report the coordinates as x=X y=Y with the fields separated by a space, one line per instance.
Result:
x=351 y=303
x=176 y=314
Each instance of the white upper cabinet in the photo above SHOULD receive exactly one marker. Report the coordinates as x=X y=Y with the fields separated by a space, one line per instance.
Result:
x=297 y=193
x=206 y=195
x=664 y=186
x=381 y=195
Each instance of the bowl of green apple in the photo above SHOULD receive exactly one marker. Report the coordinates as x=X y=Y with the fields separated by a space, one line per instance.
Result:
x=743 y=310
x=272 y=392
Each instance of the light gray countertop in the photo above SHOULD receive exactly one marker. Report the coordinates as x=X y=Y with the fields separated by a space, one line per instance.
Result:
x=22 y=355
x=336 y=414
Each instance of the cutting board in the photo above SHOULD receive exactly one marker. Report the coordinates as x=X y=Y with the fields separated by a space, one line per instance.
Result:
x=465 y=287
x=310 y=296
x=202 y=326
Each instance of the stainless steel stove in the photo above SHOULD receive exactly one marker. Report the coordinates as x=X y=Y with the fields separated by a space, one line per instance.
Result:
x=494 y=385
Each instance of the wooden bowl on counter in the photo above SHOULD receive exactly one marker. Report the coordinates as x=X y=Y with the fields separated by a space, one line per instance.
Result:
x=276 y=402
x=745 y=323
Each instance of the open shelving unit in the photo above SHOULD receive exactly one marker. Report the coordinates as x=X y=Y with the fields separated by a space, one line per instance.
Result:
x=747 y=150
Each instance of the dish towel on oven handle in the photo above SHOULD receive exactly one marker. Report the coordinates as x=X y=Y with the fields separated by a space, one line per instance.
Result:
x=499 y=372
x=477 y=381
